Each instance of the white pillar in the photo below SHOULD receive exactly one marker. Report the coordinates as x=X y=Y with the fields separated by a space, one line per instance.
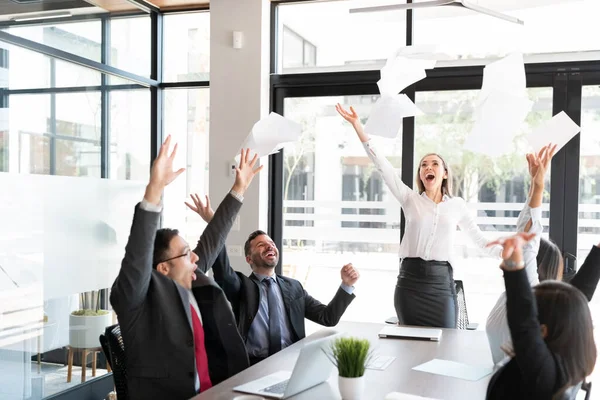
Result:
x=239 y=94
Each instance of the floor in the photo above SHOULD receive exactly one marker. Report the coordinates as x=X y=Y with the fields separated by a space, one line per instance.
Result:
x=55 y=376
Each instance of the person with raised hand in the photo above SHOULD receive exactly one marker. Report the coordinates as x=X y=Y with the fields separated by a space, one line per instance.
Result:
x=178 y=329
x=551 y=329
x=529 y=220
x=425 y=293
x=270 y=309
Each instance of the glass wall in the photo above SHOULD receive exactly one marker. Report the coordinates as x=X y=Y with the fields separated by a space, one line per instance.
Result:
x=73 y=163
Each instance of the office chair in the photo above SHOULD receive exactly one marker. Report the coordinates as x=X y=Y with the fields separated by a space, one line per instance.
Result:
x=113 y=347
x=587 y=388
x=462 y=319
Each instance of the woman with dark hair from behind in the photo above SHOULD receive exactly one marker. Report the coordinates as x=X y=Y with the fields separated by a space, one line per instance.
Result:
x=551 y=329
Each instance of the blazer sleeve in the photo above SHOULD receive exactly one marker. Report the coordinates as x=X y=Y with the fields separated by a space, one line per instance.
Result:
x=213 y=238
x=226 y=277
x=536 y=362
x=131 y=285
x=586 y=279
x=330 y=314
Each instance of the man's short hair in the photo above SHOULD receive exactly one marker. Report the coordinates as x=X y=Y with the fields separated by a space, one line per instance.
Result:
x=251 y=237
x=161 y=245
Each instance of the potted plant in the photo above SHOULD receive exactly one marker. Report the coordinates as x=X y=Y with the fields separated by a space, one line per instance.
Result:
x=351 y=355
x=87 y=323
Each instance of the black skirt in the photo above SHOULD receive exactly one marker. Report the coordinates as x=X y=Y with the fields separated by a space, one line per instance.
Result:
x=425 y=294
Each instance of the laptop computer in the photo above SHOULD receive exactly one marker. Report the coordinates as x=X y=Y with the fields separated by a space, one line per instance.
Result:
x=405 y=332
x=312 y=368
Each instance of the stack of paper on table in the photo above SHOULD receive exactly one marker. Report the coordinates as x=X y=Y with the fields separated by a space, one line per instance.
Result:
x=405 y=396
x=454 y=369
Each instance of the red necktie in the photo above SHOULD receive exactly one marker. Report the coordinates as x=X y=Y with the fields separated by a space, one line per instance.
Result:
x=200 y=352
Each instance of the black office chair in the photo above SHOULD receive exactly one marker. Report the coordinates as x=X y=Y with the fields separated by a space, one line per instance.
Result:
x=587 y=388
x=462 y=319
x=114 y=349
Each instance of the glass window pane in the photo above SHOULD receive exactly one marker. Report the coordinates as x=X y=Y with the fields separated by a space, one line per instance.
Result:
x=336 y=206
x=56 y=134
x=464 y=34
x=81 y=38
x=495 y=190
x=26 y=69
x=186 y=119
x=130 y=134
x=130 y=45
x=340 y=40
x=186 y=47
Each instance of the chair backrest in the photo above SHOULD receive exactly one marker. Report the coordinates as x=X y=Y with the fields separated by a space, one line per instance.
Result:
x=462 y=318
x=105 y=349
x=117 y=359
x=587 y=388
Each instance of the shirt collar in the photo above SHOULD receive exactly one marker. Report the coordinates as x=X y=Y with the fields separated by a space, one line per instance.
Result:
x=444 y=197
x=261 y=277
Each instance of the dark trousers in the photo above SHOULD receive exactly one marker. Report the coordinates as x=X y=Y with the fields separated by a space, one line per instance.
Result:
x=425 y=294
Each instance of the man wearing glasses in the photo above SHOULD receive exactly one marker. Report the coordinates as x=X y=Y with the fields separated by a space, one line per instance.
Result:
x=178 y=329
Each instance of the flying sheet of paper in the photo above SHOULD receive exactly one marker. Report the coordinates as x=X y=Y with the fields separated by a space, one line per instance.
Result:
x=405 y=396
x=497 y=120
x=387 y=114
x=506 y=75
x=380 y=362
x=400 y=72
x=558 y=130
x=270 y=134
x=454 y=369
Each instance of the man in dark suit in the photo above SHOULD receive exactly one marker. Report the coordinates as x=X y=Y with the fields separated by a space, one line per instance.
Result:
x=269 y=308
x=178 y=329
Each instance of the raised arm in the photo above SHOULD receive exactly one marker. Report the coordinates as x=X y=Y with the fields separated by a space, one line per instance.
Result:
x=530 y=218
x=536 y=362
x=587 y=277
x=131 y=286
x=398 y=188
x=213 y=238
x=467 y=224
x=330 y=314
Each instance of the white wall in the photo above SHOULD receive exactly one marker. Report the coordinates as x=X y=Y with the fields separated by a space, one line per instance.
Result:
x=239 y=93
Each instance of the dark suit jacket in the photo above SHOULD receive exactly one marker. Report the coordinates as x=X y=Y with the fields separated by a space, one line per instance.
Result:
x=244 y=295
x=154 y=314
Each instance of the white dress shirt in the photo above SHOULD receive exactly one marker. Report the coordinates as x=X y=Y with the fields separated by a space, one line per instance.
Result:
x=496 y=326
x=430 y=227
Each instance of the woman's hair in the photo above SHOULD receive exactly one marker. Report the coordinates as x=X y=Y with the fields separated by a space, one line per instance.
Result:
x=564 y=310
x=550 y=261
x=446 y=183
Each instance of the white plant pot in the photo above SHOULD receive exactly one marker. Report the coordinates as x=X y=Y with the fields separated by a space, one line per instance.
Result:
x=351 y=388
x=85 y=331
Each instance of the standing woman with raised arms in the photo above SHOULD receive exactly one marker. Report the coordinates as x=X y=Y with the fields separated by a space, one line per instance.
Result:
x=425 y=293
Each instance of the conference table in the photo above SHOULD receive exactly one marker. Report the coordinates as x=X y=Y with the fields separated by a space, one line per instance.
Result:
x=464 y=346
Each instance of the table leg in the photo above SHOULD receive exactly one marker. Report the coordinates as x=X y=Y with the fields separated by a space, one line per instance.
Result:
x=94 y=359
x=84 y=354
x=70 y=363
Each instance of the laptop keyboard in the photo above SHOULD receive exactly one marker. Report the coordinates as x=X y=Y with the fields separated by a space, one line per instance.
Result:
x=278 y=388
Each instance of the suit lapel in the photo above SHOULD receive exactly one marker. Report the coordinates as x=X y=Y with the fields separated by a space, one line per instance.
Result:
x=286 y=291
x=185 y=301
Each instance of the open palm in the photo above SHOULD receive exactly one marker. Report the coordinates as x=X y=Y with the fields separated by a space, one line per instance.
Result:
x=350 y=116
x=245 y=171
x=162 y=172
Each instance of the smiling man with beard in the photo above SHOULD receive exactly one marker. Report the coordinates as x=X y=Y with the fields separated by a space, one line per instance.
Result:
x=270 y=308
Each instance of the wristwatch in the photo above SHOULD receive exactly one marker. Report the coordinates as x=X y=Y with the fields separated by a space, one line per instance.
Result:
x=512 y=265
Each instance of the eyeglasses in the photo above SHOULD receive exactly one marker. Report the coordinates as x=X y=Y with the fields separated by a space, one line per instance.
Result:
x=187 y=254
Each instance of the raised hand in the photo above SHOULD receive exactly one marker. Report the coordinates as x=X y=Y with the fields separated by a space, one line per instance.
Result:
x=349 y=275
x=352 y=117
x=538 y=163
x=245 y=172
x=204 y=210
x=162 y=172
x=512 y=248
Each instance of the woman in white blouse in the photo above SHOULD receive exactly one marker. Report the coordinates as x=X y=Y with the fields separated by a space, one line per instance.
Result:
x=425 y=292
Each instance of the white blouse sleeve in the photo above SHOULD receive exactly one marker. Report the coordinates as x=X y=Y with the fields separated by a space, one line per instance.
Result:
x=467 y=224
x=531 y=248
x=398 y=188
